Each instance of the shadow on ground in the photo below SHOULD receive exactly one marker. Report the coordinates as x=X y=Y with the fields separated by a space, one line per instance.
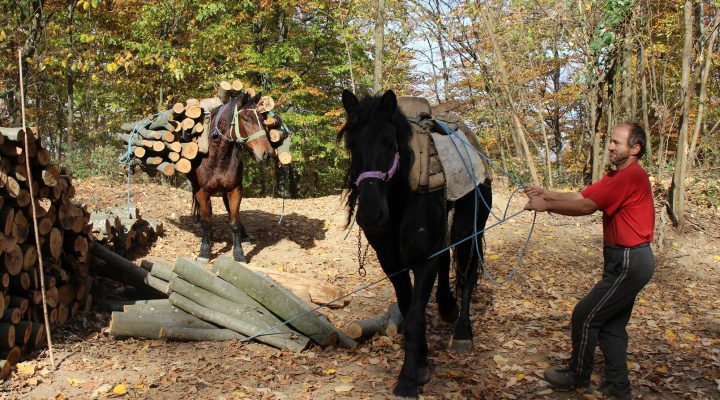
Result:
x=263 y=230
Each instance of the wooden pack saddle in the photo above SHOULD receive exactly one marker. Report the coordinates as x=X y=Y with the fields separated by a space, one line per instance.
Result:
x=439 y=163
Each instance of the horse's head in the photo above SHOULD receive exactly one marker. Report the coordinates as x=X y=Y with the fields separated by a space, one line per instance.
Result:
x=252 y=132
x=376 y=134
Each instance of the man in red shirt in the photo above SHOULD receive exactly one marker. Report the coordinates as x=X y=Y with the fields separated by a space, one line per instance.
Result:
x=625 y=197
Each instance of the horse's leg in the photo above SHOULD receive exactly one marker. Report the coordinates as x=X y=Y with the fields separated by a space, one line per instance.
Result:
x=467 y=258
x=243 y=233
x=234 y=199
x=205 y=208
x=447 y=304
x=415 y=370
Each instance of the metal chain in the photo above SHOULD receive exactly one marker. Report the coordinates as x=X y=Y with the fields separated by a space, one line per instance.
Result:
x=361 y=255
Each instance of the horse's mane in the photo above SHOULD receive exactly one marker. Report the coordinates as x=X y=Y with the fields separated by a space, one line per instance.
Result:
x=370 y=107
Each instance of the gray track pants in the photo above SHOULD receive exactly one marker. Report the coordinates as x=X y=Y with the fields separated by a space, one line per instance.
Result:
x=602 y=315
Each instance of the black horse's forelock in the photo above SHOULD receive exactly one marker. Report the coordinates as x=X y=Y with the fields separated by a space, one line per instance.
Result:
x=369 y=107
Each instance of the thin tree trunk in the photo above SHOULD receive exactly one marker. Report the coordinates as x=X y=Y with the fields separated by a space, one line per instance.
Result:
x=379 y=45
x=677 y=188
x=548 y=166
x=643 y=98
x=701 y=103
x=70 y=76
x=505 y=84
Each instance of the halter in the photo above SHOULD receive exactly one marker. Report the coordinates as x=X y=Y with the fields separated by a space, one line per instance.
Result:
x=235 y=124
x=384 y=176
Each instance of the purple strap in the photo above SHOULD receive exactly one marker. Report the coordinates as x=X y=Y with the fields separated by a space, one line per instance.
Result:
x=385 y=176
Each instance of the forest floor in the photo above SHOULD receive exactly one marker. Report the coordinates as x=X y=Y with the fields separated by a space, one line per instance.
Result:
x=520 y=328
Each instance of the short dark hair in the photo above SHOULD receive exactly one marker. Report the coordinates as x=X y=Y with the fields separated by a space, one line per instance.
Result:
x=636 y=136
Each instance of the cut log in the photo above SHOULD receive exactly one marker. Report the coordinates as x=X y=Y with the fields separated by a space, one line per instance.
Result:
x=139 y=152
x=13 y=260
x=63 y=314
x=20 y=282
x=12 y=316
x=7 y=335
x=365 y=329
x=153 y=160
x=202 y=335
x=174 y=146
x=161 y=269
x=248 y=319
x=124 y=271
x=119 y=305
x=7 y=219
x=276 y=135
x=394 y=322
x=37 y=337
x=23 y=332
x=12 y=187
x=54 y=244
x=193 y=111
x=281 y=302
x=224 y=91
x=168 y=169
x=237 y=85
x=178 y=108
x=189 y=150
x=183 y=165
x=210 y=104
x=20 y=302
x=20 y=229
x=306 y=288
x=29 y=255
x=283 y=151
x=52 y=297
x=66 y=294
x=9 y=362
x=50 y=175
x=173 y=157
x=148 y=308
x=161 y=120
x=147 y=325
x=235 y=324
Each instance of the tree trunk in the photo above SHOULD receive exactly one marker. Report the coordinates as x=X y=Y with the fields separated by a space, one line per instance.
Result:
x=379 y=45
x=677 y=188
x=505 y=84
x=703 y=99
x=194 y=334
x=148 y=324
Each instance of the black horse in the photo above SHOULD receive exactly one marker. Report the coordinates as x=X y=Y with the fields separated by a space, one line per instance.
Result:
x=407 y=228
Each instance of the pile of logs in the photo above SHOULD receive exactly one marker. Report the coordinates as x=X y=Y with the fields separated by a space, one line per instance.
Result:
x=64 y=242
x=231 y=302
x=388 y=324
x=122 y=228
x=172 y=140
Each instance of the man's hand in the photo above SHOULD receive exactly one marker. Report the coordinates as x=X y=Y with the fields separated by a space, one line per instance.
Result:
x=535 y=191
x=536 y=203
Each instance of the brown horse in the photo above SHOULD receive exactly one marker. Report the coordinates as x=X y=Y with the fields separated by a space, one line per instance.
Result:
x=233 y=126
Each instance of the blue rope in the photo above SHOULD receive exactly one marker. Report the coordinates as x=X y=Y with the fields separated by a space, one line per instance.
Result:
x=474 y=236
x=127 y=158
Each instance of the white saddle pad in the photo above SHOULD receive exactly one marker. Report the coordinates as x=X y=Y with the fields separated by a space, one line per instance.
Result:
x=460 y=162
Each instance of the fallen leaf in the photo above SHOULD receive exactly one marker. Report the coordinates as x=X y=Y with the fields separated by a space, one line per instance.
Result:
x=500 y=360
x=26 y=368
x=330 y=371
x=545 y=392
x=120 y=389
x=75 y=381
x=343 y=388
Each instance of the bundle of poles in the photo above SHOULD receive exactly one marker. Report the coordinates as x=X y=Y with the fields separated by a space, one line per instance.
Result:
x=175 y=139
x=233 y=302
x=65 y=237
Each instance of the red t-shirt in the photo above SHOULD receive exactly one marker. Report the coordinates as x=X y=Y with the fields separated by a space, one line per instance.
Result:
x=626 y=200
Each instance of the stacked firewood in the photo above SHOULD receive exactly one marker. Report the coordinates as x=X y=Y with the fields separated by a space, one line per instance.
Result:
x=121 y=229
x=232 y=302
x=64 y=242
x=172 y=140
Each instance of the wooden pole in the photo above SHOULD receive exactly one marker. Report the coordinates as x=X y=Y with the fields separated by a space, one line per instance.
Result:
x=32 y=201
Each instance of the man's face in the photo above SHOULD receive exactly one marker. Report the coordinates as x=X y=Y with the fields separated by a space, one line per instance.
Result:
x=619 y=149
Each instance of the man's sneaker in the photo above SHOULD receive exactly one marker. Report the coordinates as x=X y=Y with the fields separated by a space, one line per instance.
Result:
x=564 y=379
x=612 y=390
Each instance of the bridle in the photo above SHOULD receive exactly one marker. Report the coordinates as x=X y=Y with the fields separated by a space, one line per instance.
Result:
x=236 y=136
x=384 y=176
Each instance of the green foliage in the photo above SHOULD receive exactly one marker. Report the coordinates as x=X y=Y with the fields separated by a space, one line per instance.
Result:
x=103 y=161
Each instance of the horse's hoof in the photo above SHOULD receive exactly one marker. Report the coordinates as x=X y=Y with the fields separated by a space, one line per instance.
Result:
x=462 y=346
x=424 y=375
x=241 y=259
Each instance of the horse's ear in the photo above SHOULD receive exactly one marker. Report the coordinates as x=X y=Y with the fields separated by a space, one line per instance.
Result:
x=349 y=100
x=257 y=98
x=245 y=99
x=388 y=103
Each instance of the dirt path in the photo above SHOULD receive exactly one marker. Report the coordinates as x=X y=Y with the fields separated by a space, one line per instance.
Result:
x=521 y=327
